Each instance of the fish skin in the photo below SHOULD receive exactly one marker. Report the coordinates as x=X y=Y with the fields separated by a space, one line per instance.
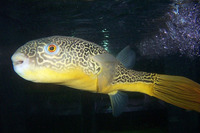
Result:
x=70 y=66
x=77 y=60
x=84 y=65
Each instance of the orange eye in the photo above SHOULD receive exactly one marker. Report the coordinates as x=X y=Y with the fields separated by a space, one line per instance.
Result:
x=52 y=48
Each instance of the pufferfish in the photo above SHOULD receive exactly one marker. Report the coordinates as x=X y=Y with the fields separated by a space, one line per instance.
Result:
x=84 y=65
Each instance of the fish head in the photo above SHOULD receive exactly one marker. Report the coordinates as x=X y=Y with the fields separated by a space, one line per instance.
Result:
x=44 y=60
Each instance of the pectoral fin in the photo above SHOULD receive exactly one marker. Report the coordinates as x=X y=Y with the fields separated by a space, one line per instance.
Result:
x=119 y=101
x=108 y=63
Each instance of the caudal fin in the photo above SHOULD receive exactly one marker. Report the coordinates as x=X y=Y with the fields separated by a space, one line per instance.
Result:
x=177 y=90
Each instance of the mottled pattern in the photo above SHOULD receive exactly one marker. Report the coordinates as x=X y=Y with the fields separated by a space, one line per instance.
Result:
x=73 y=52
x=124 y=75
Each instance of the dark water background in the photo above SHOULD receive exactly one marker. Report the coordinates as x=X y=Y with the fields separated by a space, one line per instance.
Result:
x=164 y=34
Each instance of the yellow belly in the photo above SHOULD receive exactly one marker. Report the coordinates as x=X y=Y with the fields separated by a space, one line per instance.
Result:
x=74 y=78
x=79 y=80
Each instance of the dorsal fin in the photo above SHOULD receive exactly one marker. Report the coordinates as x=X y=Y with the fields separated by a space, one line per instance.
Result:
x=127 y=57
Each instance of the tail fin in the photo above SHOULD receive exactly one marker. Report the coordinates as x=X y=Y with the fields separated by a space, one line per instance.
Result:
x=177 y=90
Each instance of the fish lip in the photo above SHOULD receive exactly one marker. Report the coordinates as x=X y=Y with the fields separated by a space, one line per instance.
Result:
x=15 y=63
x=20 y=63
x=18 y=59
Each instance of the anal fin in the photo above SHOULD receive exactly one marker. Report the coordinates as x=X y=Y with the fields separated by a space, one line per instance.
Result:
x=119 y=101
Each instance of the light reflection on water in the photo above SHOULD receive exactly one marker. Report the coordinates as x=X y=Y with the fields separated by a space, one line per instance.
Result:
x=105 y=40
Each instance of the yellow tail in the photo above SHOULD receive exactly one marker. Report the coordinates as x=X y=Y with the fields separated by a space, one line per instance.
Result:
x=177 y=90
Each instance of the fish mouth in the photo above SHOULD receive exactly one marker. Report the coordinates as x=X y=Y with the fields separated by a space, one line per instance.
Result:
x=15 y=63
x=20 y=63
x=18 y=59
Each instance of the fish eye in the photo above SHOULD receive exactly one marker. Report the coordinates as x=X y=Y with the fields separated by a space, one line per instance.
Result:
x=51 y=49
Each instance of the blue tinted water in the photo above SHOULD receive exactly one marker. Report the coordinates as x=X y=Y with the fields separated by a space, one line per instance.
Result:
x=164 y=34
